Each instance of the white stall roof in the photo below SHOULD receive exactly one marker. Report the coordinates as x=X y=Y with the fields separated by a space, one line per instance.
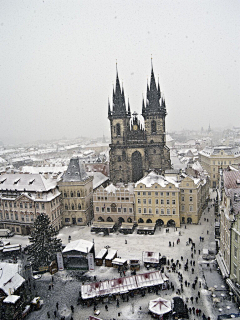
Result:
x=111 y=254
x=79 y=245
x=150 y=257
x=122 y=285
x=119 y=261
x=11 y=299
x=101 y=254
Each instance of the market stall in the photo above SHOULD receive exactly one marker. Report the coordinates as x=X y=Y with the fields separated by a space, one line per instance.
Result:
x=159 y=307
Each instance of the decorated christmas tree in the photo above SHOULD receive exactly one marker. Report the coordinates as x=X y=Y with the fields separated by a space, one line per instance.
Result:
x=44 y=244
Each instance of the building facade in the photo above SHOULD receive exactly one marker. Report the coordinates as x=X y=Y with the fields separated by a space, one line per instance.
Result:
x=23 y=197
x=77 y=192
x=136 y=150
x=114 y=203
x=216 y=158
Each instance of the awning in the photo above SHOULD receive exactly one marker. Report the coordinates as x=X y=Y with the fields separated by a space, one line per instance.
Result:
x=221 y=264
x=233 y=287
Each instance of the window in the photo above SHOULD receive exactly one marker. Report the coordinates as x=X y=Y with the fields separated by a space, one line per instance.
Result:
x=118 y=129
x=21 y=205
x=174 y=211
x=71 y=194
x=153 y=127
x=43 y=206
x=149 y=193
x=37 y=205
x=156 y=201
x=78 y=194
x=161 y=194
x=11 y=216
x=168 y=211
x=144 y=193
x=183 y=208
x=79 y=207
x=16 y=216
x=26 y=205
x=138 y=200
x=236 y=236
x=22 y=217
x=156 y=193
x=17 y=229
x=119 y=210
x=10 y=204
x=124 y=210
x=190 y=191
x=162 y=211
x=149 y=201
x=66 y=207
x=30 y=205
x=234 y=269
x=157 y=211
x=79 y=219
x=235 y=252
x=162 y=201
x=97 y=209
x=150 y=210
x=67 y=219
x=167 y=194
x=139 y=210
x=7 y=215
x=190 y=208
x=108 y=209
x=103 y=209
x=168 y=201
x=15 y=205
x=182 y=198
x=173 y=201
x=144 y=210
x=144 y=201
x=138 y=193
x=173 y=194
x=27 y=218
x=190 y=199
x=65 y=195
x=130 y=210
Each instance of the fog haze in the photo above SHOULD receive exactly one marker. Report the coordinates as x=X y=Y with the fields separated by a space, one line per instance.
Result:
x=58 y=63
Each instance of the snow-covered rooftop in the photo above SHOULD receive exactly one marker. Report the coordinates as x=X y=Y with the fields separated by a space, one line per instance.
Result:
x=11 y=299
x=153 y=178
x=10 y=280
x=79 y=245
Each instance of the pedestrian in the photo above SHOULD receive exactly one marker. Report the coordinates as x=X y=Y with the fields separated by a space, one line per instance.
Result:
x=199 y=251
x=192 y=270
x=57 y=305
x=117 y=303
x=192 y=255
x=173 y=244
x=196 y=299
x=48 y=314
x=125 y=241
x=106 y=307
x=72 y=308
x=50 y=286
x=55 y=313
x=52 y=279
x=191 y=299
x=194 y=263
x=198 y=294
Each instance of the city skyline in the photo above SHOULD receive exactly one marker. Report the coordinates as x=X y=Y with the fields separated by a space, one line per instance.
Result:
x=58 y=64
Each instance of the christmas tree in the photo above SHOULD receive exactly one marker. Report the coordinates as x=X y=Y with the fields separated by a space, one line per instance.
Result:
x=44 y=245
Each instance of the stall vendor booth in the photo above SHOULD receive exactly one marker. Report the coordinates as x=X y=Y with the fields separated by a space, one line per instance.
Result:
x=105 y=227
x=112 y=254
x=76 y=254
x=151 y=259
x=120 y=264
x=159 y=308
x=100 y=257
x=126 y=228
x=146 y=228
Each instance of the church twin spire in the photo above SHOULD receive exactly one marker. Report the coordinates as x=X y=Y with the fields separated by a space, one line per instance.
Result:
x=154 y=100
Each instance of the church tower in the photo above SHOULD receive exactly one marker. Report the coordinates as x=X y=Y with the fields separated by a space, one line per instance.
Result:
x=154 y=113
x=134 y=150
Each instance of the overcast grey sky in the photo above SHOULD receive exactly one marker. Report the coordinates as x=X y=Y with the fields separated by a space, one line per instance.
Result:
x=57 y=63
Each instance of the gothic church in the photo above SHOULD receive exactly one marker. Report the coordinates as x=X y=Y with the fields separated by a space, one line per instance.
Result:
x=136 y=150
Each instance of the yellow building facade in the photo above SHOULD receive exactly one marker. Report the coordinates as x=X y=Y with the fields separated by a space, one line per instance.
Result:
x=77 y=194
x=216 y=158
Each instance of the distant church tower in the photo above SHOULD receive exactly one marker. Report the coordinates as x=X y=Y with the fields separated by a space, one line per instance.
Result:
x=134 y=150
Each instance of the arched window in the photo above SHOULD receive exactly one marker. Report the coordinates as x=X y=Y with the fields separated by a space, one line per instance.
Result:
x=140 y=220
x=66 y=207
x=109 y=219
x=118 y=128
x=153 y=127
x=71 y=194
x=72 y=206
x=79 y=206
x=78 y=194
x=65 y=194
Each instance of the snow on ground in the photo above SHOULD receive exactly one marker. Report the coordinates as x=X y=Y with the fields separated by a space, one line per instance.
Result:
x=67 y=283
